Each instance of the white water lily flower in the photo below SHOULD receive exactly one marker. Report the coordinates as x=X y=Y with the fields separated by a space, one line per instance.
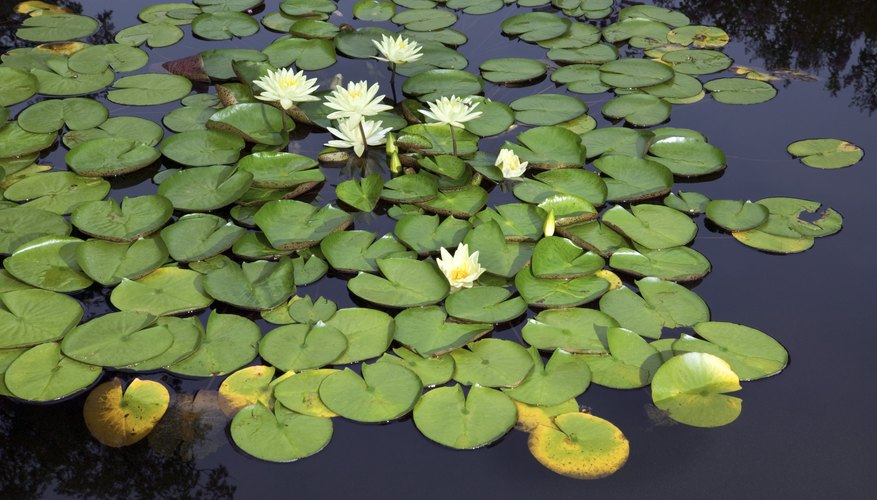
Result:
x=356 y=101
x=399 y=50
x=452 y=111
x=350 y=134
x=461 y=269
x=286 y=87
x=510 y=164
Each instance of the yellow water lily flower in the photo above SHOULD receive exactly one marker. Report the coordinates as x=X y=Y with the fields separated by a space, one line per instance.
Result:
x=461 y=269
x=399 y=50
x=358 y=135
x=286 y=87
x=452 y=110
x=510 y=165
x=356 y=101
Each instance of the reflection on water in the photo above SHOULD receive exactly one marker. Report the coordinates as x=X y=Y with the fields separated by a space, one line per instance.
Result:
x=10 y=23
x=836 y=39
x=69 y=462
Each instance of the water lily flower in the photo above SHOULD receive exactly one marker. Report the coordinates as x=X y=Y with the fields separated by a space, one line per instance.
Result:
x=452 y=111
x=355 y=102
x=510 y=165
x=461 y=269
x=286 y=87
x=358 y=135
x=399 y=50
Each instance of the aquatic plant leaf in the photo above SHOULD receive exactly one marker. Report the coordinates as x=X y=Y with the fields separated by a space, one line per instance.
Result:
x=550 y=293
x=253 y=286
x=581 y=446
x=300 y=392
x=492 y=363
x=48 y=262
x=292 y=225
x=56 y=27
x=652 y=226
x=577 y=330
x=385 y=392
x=165 y=291
x=108 y=262
x=405 y=283
x=22 y=224
x=751 y=353
x=740 y=90
x=691 y=387
x=369 y=333
x=149 y=89
x=244 y=387
x=487 y=304
x=51 y=115
x=135 y=218
x=426 y=331
x=199 y=148
x=203 y=189
x=447 y=417
x=30 y=317
x=117 y=418
x=564 y=377
x=279 y=436
x=300 y=347
x=826 y=153
x=229 y=343
x=432 y=370
x=43 y=373
x=200 y=236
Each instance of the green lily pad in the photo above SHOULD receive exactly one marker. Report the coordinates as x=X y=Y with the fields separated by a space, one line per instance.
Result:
x=252 y=121
x=23 y=224
x=361 y=195
x=691 y=387
x=50 y=115
x=550 y=293
x=580 y=78
x=292 y=225
x=308 y=55
x=188 y=118
x=170 y=13
x=486 y=304
x=256 y=286
x=230 y=342
x=752 y=354
x=736 y=215
x=405 y=283
x=373 y=10
x=97 y=58
x=431 y=370
x=633 y=179
x=16 y=141
x=616 y=141
x=384 y=392
x=43 y=373
x=358 y=251
x=568 y=209
x=279 y=436
x=498 y=256
x=697 y=62
x=686 y=157
x=110 y=156
x=18 y=85
x=672 y=264
x=495 y=118
x=117 y=339
x=518 y=221
x=153 y=34
x=447 y=417
x=198 y=148
x=634 y=73
x=583 y=184
x=228 y=5
x=57 y=192
x=464 y=202
x=535 y=26
x=135 y=218
x=301 y=347
x=663 y=304
x=702 y=37
x=56 y=27
x=740 y=90
x=549 y=148
x=511 y=70
x=592 y=54
x=205 y=188
x=369 y=333
x=299 y=392
x=411 y=188
x=435 y=139
x=492 y=363
x=690 y=203
x=433 y=84
x=149 y=89
x=547 y=109
x=564 y=377
x=555 y=257
x=578 y=330
x=424 y=19
x=30 y=317
x=641 y=110
x=825 y=153
x=630 y=363
x=125 y=127
x=108 y=263
x=199 y=237
x=426 y=234
x=224 y=25
x=48 y=262
x=165 y=291
x=426 y=331
x=652 y=226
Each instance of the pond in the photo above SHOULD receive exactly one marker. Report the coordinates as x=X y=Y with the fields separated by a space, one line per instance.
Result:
x=803 y=432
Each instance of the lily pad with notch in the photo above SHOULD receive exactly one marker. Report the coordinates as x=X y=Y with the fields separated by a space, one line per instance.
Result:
x=165 y=291
x=446 y=416
x=578 y=330
x=671 y=264
x=663 y=304
x=30 y=317
x=279 y=436
x=300 y=347
x=549 y=148
x=44 y=373
x=751 y=353
x=135 y=218
x=426 y=234
x=358 y=251
x=405 y=283
x=426 y=331
x=552 y=293
x=385 y=391
x=486 y=304
x=564 y=377
x=630 y=362
x=691 y=387
x=633 y=179
x=200 y=236
x=293 y=225
x=255 y=286
x=230 y=342
x=652 y=226
x=202 y=189
x=48 y=262
x=559 y=258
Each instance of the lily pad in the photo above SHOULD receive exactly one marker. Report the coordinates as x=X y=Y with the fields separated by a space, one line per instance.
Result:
x=361 y=195
x=18 y=85
x=308 y=55
x=547 y=109
x=447 y=417
x=244 y=387
x=634 y=73
x=406 y=283
x=578 y=330
x=549 y=148
x=826 y=153
x=30 y=317
x=43 y=373
x=641 y=110
x=97 y=58
x=165 y=291
x=23 y=224
x=550 y=293
x=631 y=362
x=136 y=217
x=487 y=304
x=581 y=446
x=117 y=339
x=697 y=62
x=535 y=26
x=16 y=141
x=652 y=226
x=279 y=436
x=556 y=257
x=230 y=342
x=672 y=264
x=108 y=263
x=498 y=256
x=740 y=90
x=110 y=156
x=581 y=183
x=301 y=347
x=426 y=331
x=118 y=419
x=564 y=377
x=132 y=128
x=299 y=392
x=752 y=354
x=433 y=84
x=199 y=237
x=633 y=179
x=511 y=70
x=492 y=363
x=149 y=89
x=424 y=19
x=358 y=251
x=292 y=225
x=255 y=286
x=663 y=304
x=57 y=192
x=686 y=156
x=224 y=25
x=48 y=262
x=252 y=121
x=369 y=333
x=56 y=27
x=384 y=392
x=153 y=34
x=691 y=387
x=50 y=115
x=736 y=215
x=426 y=234
x=205 y=188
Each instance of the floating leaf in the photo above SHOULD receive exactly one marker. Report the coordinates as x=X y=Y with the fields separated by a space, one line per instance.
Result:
x=511 y=70
x=447 y=417
x=292 y=225
x=153 y=34
x=547 y=109
x=50 y=115
x=357 y=251
x=535 y=26
x=564 y=377
x=108 y=263
x=244 y=387
x=406 y=283
x=663 y=304
x=56 y=27
x=203 y=147
x=735 y=215
x=652 y=226
x=555 y=257
x=672 y=264
x=205 y=188
x=199 y=237
x=641 y=110
x=425 y=19
x=826 y=153
x=259 y=285
x=634 y=73
x=540 y=292
x=299 y=392
x=18 y=85
x=740 y=90
x=117 y=339
x=301 y=347
x=42 y=373
x=230 y=342
x=149 y=89
x=361 y=195
x=752 y=354
x=582 y=446
x=426 y=331
x=48 y=262
x=570 y=329
x=633 y=179
x=697 y=62
x=23 y=224
x=498 y=256
x=691 y=387
x=630 y=362
x=549 y=148
x=279 y=436
x=224 y=25
x=492 y=363
x=167 y=290
x=136 y=217
x=384 y=392
x=118 y=419
x=30 y=317
x=369 y=333
x=431 y=370
x=488 y=304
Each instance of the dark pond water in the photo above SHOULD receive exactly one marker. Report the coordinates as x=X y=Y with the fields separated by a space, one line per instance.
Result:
x=806 y=433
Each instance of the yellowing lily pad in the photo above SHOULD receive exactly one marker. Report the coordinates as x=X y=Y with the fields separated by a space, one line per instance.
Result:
x=582 y=446
x=117 y=418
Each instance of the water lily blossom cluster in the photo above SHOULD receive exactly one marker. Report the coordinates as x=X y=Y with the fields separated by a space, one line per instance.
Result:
x=461 y=269
x=399 y=50
x=452 y=111
x=286 y=87
x=358 y=135
x=355 y=102
x=510 y=165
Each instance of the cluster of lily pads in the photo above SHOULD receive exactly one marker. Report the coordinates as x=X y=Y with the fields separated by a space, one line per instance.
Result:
x=228 y=225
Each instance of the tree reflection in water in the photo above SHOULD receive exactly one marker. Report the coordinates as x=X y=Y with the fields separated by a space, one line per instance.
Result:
x=837 y=37
x=46 y=453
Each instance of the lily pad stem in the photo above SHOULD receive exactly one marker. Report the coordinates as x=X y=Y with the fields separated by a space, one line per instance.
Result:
x=393 y=80
x=453 y=140
x=362 y=133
